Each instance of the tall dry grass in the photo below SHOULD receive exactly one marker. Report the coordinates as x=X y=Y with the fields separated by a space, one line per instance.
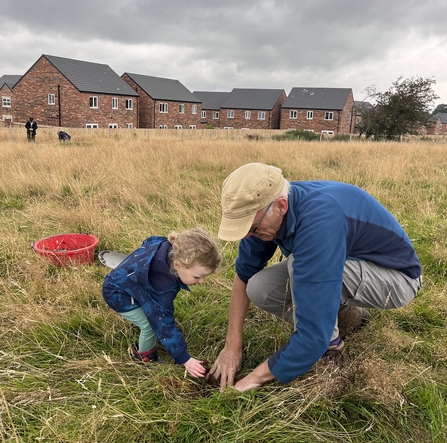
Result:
x=64 y=372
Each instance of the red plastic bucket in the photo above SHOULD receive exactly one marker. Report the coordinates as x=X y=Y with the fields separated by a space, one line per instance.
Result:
x=68 y=249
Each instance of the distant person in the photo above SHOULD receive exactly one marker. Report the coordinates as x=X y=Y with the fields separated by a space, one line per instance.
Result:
x=63 y=136
x=142 y=289
x=345 y=252
x=31 y=128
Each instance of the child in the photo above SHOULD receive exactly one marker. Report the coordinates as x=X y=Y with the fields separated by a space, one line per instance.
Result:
x=142 y=289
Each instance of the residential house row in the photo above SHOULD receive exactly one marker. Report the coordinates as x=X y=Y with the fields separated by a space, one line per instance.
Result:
x=63 y=92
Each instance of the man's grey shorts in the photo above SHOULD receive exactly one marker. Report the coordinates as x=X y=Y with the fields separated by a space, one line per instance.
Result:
x=365 y=284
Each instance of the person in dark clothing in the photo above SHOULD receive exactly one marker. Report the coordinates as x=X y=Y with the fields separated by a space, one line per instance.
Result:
x=31 y=128
x=63 y=136
x=142 y=289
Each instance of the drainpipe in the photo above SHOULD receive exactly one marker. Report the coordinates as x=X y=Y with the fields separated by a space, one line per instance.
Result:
x=59 y=104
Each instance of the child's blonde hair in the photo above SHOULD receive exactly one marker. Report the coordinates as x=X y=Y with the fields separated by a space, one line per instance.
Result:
x=194 y=247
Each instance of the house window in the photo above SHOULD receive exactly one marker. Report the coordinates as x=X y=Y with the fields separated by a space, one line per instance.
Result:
x=181 y=109
x=308 y=130
x=261 y=115
x=177 y=126
x=228 y=127
x=129 y=125
x=91 y=125
x=310 y=115
x=51 y=99
x=215 y=115
x=114 y=103
x=6 y=102
x=113 y=125
x=230 y=113
x=203 y=114
x=163 y=108
x=247 y=115
x=93 y=102
x=129 y=104
x=328 y=132
x=194 y=109
x=293 y=114
x=192 y=126
x=163 y=127
x=329 y=115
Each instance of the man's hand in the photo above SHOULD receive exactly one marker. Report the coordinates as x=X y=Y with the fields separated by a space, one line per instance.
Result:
x=256 y=378
x=228 y=362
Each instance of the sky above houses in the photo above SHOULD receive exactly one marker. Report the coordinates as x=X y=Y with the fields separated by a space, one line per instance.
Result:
x=218 y=46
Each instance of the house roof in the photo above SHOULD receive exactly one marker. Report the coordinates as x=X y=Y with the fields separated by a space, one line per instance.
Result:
x=91 y=77
x=317 y=98
x=362 y=106
x=442 y=116
x=9 y=80
x=159 y=88
x=211 y=100
x=264 y=99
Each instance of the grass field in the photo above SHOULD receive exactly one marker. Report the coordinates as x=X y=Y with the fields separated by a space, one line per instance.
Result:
x=65 y=375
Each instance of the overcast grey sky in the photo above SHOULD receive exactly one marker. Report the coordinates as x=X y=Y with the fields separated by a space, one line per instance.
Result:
x=217 y=46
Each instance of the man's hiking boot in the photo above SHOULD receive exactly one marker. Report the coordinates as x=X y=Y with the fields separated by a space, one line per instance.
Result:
x=351 y=319
x=336 y=352
x=150 y=356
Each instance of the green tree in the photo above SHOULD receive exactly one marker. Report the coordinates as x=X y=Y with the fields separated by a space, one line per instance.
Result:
x=440 y=108
x=403 y=109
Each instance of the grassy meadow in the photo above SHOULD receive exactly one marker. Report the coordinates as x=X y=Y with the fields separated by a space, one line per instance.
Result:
x=65 y=375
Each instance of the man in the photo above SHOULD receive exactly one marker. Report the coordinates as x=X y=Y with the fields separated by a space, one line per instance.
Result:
x=63 y=136
x=345 y=252
x=31 y=128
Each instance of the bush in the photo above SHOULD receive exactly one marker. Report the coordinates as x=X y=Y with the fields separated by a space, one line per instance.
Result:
x=297 y=135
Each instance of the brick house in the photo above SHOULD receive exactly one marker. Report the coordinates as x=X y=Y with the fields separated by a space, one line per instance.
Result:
x=360 y=108
x=7 y=83
x=252 y=109
x=58 y=91
x=211 y=104
x=164 y=103
x=322 y=110
x=438 y=124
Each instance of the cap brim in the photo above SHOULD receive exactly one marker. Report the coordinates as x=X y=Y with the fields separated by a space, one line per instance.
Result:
x=233 y=229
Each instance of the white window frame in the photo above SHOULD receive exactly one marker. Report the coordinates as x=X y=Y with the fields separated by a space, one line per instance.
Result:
x=93 y=101
x=91 y=125
x=6 y=102
x=261 y=115
x=181 y=108
x=230 y=113
x=7 y=117
x=327 y=132
x=178 y=127
x=308 y=130
x=194 y=109
x=247 y=115
x=215 y=115
x=293 y=114
x=129 y=104
x=129 y=125
x=192 y=127
x=203 y=114
x=228 y=127
x=329 y=115
x=163 y=127
x=163 y=108
x=309 y=115
x=114 y=103
x=51 y=99
x=113 y=126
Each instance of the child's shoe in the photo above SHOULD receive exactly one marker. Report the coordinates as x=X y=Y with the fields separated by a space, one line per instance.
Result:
x=150 y=356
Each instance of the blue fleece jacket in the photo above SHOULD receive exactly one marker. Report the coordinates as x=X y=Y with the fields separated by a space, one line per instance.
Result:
x=326 y=224
x=144 y=279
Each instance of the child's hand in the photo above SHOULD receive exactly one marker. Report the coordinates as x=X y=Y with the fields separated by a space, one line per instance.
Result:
x=194 y=368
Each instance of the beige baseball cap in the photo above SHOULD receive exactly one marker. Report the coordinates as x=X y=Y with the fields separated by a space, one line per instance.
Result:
x=245 y=191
